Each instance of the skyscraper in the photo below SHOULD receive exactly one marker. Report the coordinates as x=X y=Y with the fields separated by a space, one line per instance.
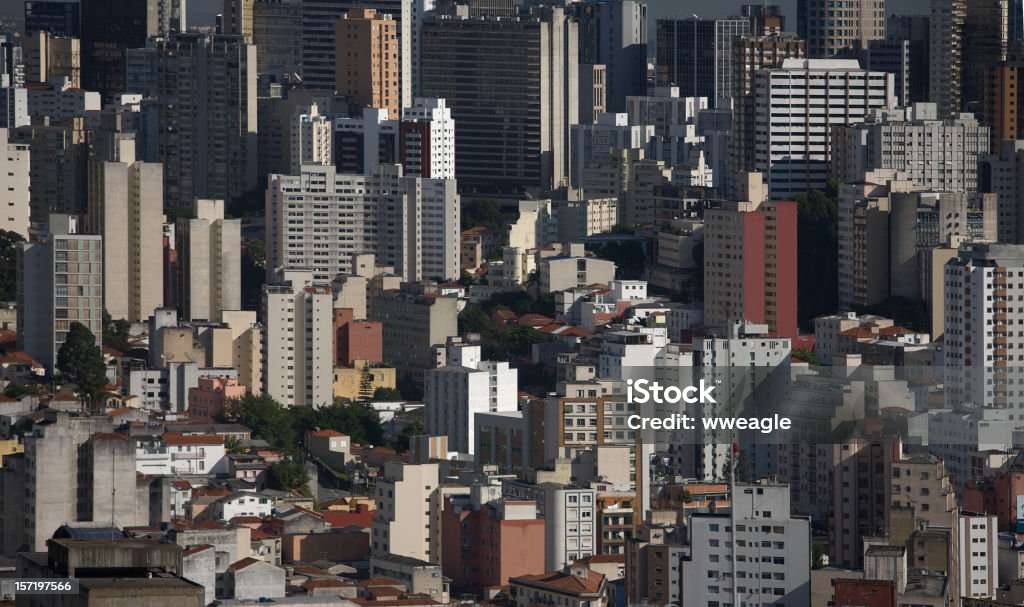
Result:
x=14 y=203
x=277 y=34
x=60 y=281
x=985 y=43
x=833 y=30
x=126 y=208
x=56 y=18
x=614 y=34
x=209 y=262
x=206 y=88
x=513 y=108
x=367 y=61
x=945 y=54
x=696 y=55
x=237 y=18
x=110 y=28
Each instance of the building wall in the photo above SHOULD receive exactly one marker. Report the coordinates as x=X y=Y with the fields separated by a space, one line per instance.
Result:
x=401 y=525
x=368 y=64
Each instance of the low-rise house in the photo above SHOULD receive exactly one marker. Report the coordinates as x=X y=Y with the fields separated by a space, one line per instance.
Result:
x=255 y=580
x=242 y=503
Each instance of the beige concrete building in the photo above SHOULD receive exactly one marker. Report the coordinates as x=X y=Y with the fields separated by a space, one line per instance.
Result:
x=126 y=208
x=573 y=269
x=47 y=57
x=237 y=17
x=830 y=32
x=209 y=262
x=247 y=347
x=57 y=167
x=415 y=320
x=297 y=340
x=361 y=380
x=15 y=201
x=367 y=67
x=402 y=523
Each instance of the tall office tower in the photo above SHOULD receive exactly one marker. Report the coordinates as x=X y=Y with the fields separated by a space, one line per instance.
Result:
x=410 y=223
x=60 y=281
x=945 y=54
x=402 y=524
x=126 y=207
x=938 y=154
x=110 y=28
x=1015 y=22
x=12 y=63
x=206 y=87
x=209 y=262
x=696 y=55
x=367 y=63
x=47 y=57
x=983 y=297
x=237 y=18
x=56 y=18
x=1003 y=85
x=297 y=313
x=985 y=43
x=1002 y=173
x=904 y=53
x=514 y=108
x=464 y=386
x=792 y=136
x=780 y=572
x=614 y=34
x=765 y=19
x=277 y=34
x=750 y=261
x=14 y=202
x=833 y=31
x=59 y=169
x=319 y=44
x=750 y=54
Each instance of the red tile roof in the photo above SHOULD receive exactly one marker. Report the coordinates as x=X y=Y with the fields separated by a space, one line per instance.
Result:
x=327 y=433
x=565 y=582
x=196 y=549
x=177 y=438
x=242 y=564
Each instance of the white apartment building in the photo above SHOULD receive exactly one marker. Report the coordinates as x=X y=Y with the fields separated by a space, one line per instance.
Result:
x=14 y=200
x=979 y=554
x=174 y=454
x=402 y=525
x=427 y=139
x=311 y=139
x=796 y=107
x=591 y=142
x=570 y=520
x=61 y=101
x=932 y=152
x=243 y=503
x=126 y=205
x=298 y=340
x=466 y=385
x=663 y=108
x=956 y=435
x=320 y=218
x=984 y=291
x=209 y=262
x=60 y=281
x=772 y=552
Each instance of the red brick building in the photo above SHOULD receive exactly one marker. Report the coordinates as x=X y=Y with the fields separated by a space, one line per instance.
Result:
x=356 y=339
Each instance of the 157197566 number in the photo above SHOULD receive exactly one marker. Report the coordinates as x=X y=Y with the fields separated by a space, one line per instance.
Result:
x=39 y=586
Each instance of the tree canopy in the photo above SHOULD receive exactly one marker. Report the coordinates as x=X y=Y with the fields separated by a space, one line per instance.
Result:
x=817 y=253
x=80 y=361
x=9 y=264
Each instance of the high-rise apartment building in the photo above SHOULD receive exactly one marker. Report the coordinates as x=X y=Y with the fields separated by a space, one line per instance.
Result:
x=297 y=340
x=367 y=61
x=402 y=524
x=277 y=34
x=464 y=386
x=772 y=560
x=979 y=554
x=1002 y=173
x=109 y=29
x=614 y=34
x=14 y=203
x=1003 y=85
x=945 y=54
x=836 y=30
x=320 y=45
x=985 y=43
x=983 y=294
x=696 y=55
x=410 y=223
x=749 y=54
x=58 y=167
x=206 y=87
x=415 y=319
x=904 y=53
x=520 y=101
x=57 y=18
x=939 y=154
x=237 y=18
x=209 y=262
x=126 y=208
x=750 y=261
x=793 y=129
x=48 y=57
x=60 y=281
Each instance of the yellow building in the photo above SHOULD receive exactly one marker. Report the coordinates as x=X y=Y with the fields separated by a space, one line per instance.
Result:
x=9 y=447
x=361 y=380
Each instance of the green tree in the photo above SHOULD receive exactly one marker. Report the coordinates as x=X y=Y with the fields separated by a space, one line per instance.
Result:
x=289 y=474
x=254 y=273
x=9 y=264
x=233 y=446
x=80 y=362
x=385 y=393
x=742 y=468
x=357 y=419
x=413 y=429
x=482 y=212
x=473 y=319
x=267 y=419
x=116 y=333
x=19 y=390
x=805 y=355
